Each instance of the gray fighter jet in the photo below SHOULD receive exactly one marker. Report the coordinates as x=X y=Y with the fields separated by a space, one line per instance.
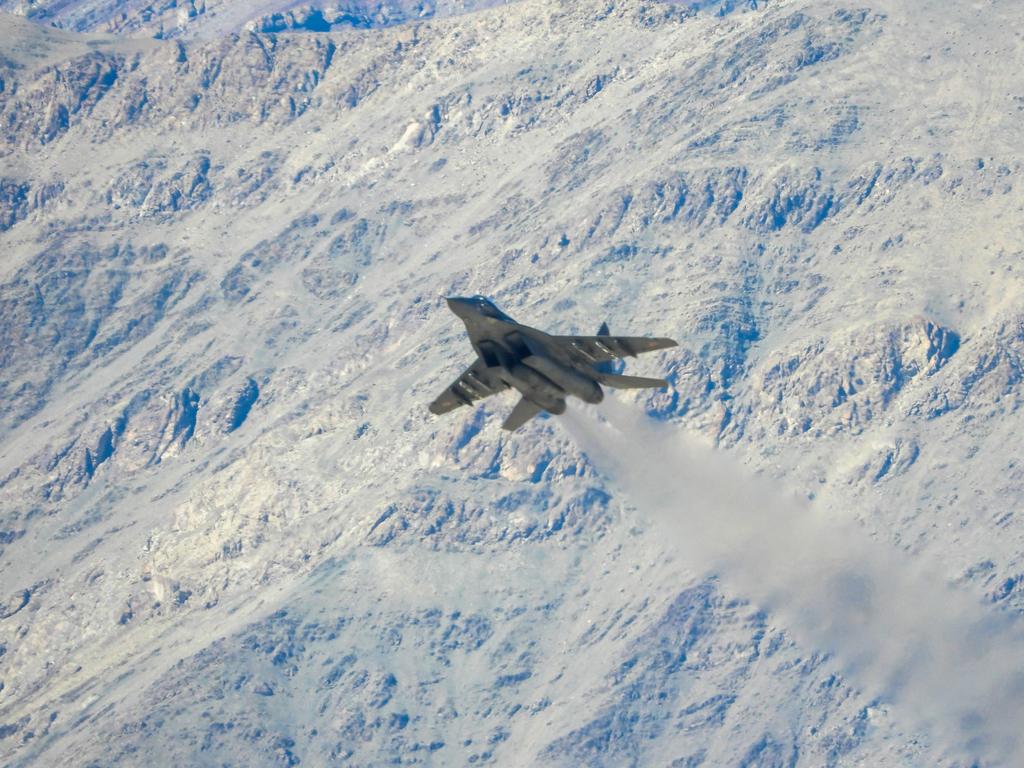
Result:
x=544 y=368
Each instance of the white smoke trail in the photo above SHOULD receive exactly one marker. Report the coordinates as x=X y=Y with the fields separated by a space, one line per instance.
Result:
x=896 y=628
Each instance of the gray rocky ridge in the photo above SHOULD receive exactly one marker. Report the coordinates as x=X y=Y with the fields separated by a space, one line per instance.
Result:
x=210 y=18
x=231 y=532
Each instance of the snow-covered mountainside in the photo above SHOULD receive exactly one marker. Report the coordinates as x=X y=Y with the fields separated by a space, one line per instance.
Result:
x=232 y=533
x=211 y=18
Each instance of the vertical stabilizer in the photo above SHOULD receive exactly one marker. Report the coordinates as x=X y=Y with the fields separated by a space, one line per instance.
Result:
x=608 y=366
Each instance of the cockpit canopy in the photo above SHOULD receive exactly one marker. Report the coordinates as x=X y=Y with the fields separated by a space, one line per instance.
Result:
x=488 y=309
x=477 y=304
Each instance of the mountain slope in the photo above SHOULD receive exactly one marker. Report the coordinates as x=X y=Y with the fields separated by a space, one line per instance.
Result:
x=209 y=19
x=233 y=533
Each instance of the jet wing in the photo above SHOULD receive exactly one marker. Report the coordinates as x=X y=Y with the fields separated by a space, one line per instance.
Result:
x=474 y=384
x=599 y=349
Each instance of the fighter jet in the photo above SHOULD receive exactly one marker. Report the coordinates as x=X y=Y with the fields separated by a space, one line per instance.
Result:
x=545 y=369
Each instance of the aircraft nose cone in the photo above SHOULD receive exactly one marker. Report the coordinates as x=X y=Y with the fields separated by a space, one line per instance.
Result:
x=456 y=304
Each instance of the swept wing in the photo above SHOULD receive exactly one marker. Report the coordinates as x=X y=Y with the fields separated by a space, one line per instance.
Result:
x=475 y=383
x=599 y=349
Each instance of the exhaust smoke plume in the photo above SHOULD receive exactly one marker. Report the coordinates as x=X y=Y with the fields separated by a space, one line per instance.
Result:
x=895 y=627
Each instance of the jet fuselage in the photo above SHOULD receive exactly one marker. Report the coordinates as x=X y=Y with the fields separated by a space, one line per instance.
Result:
x=525 y=358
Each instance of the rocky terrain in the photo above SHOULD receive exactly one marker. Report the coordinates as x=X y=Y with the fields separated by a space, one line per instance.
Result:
x=212 y=18
x=231 y=532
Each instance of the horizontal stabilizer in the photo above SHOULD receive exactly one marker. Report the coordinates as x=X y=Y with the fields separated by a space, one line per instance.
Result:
x=522 y=413
x=631 y=382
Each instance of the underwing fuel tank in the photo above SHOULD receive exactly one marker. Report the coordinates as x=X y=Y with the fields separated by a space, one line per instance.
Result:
x=541 y=390
x=524 y=374
x=587 y=390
